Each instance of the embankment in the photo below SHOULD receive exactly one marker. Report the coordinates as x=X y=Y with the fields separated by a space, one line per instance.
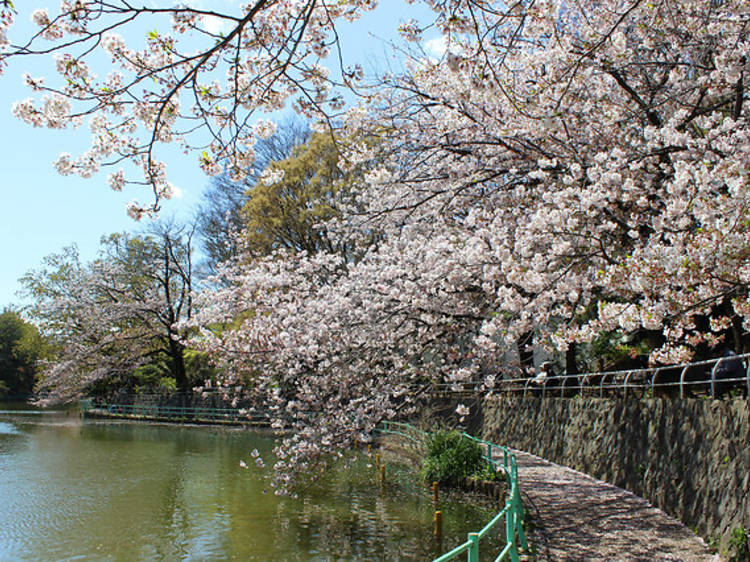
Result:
x=690 y=458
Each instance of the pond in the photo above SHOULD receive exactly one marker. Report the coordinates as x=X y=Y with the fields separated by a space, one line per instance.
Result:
x=100 y=490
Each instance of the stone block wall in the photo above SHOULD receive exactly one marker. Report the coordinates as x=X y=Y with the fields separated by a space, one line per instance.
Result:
x=690 y=458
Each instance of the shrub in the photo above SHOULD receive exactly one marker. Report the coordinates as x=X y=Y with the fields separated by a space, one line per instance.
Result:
x=451 y=458
x=739 y=544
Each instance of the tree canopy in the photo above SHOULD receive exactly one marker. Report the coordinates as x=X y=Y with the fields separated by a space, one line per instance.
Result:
x=21 y=348
x=295 y=197
x=219 y=217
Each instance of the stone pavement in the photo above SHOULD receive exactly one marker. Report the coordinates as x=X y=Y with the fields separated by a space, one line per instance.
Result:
x=575 y=517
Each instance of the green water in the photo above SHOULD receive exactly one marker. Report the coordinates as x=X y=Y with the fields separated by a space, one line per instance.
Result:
x=128 y=491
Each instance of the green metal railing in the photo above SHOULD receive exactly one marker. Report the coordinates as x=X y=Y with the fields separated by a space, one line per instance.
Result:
x=512 y=512
x=215 y=415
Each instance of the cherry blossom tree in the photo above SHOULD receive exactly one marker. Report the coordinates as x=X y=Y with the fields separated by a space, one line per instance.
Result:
x=119 y=312
x=564 y=169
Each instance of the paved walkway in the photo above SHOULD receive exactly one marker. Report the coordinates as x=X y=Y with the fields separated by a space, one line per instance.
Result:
x=576 y=517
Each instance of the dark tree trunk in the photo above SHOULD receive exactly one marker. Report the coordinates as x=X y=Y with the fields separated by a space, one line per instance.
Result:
x=525 y=345
x=177 y=355
x=571 y=368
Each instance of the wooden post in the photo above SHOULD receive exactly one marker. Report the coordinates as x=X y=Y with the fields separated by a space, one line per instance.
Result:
x=435 y=494
x=438 y=525
x=382 y=473
x=377 y=461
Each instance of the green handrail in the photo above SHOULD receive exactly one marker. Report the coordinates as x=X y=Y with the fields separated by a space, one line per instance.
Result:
x=512 y=512
x=181 y=412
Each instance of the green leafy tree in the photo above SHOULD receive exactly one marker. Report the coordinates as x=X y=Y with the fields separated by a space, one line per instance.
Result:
x=21 y=347
x=219 y=216
x=288 y=206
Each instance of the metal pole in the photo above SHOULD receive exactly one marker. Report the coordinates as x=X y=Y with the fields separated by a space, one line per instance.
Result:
x=653 y=383
x=473 y=553
x=682 y=381
x=713 y=378
x=511 y=522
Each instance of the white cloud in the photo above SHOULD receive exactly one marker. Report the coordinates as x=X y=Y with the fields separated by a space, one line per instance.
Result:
x=214 y=25
x=175 y=192
x=436 y=46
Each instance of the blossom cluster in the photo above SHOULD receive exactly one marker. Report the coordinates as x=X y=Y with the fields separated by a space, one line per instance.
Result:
x=167 y=91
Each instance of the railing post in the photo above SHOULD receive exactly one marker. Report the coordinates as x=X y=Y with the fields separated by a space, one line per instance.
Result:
x=682 y=381
x=473 y=553
x=521 y=514
x=510 y=531
x=519 y=527
x=625 y=384
x=525 y=387
x=713 y=378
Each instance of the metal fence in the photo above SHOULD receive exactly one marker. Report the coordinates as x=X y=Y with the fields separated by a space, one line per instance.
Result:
x=512 y=513
x=713 y=377
x=173 y=413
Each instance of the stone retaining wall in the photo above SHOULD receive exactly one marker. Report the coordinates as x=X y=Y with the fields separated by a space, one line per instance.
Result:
x=690 y=458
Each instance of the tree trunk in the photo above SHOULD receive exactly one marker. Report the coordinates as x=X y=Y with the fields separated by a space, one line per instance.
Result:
x=571 y=368
x=177 y=354
x=525 y=345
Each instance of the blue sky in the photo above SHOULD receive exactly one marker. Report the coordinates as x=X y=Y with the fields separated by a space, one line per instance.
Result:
x=41 y=211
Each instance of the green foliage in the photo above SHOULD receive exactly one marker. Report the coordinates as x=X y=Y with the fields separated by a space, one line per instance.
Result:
x=487 y=473
x=286 y=213
x=21 y=347
x=167 y=385
x=198 y=366
x=739 y=545
x=613 y=350
x=149 y=378
x=451 y=458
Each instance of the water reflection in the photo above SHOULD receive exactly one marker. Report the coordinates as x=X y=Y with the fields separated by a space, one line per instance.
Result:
x=124 y=491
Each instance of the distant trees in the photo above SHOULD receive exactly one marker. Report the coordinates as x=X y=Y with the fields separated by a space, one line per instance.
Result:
x=21 y=347
x=219 y=217
x=117 y=313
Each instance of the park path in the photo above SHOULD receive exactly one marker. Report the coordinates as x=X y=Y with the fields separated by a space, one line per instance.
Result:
x=575 y=517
